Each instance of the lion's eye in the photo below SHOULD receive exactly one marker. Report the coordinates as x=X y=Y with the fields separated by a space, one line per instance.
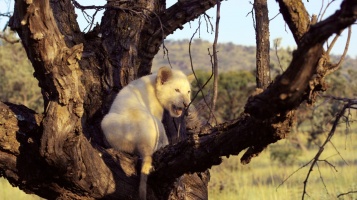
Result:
x=177 y=90
x=189 y=91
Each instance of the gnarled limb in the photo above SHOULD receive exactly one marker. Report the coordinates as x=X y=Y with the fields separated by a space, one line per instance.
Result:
x=165 y=23
x=292 y=84
x=58 y=146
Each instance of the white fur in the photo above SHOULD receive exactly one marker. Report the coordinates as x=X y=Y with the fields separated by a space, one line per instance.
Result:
x=133 y=123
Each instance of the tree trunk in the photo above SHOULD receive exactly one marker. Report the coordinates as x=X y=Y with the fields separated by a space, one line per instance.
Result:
x=62 y=153
x=263 y=43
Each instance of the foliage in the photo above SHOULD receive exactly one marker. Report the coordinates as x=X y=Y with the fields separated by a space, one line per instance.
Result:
x=285 y=154
x=233 y=90
x=17 y=84
x=263 y=178
x=231 y=56
x=316 y=119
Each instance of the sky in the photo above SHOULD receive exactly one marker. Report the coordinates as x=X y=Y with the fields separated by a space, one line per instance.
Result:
x=236 y=23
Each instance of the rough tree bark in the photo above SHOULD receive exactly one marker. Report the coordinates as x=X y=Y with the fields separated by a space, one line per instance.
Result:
x=263 y=43
x=62 y=153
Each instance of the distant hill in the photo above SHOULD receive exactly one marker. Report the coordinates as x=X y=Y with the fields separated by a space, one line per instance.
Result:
x=231 y=56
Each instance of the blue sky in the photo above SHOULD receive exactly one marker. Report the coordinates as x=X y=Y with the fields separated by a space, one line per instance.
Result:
x=236 y=24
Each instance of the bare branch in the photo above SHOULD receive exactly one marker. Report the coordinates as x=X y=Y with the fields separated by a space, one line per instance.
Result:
x=321 y=177
x=208 y=23
x=314 y=162
x=200 y=88
x=334 y=67
x=322 y=13
x=276 y=45
x=293 y=173
x=309 y=51
x=172 y=18
x=7 y=14
x=350 y=102
x=253 y=18
x=215 y=62
x=347 y=193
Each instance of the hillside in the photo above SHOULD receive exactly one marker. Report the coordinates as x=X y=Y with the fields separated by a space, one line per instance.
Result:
x=231 y=56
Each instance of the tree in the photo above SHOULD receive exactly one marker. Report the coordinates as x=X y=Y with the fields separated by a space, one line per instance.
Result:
x=62 y=153
x=233 y=88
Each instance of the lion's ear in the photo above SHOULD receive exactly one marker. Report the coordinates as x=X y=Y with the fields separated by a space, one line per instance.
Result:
x=191 y=78
x=163 y=75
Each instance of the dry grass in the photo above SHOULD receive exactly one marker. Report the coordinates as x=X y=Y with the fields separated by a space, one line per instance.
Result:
x=264 y=178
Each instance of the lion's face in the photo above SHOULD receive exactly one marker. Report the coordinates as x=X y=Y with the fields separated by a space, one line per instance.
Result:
x=173 y=91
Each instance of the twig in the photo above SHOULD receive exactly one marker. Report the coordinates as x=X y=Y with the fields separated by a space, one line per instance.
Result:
x=347 y=105
x=342 y=58
x=321 y=178
x=166 y=53
x=90 y=19
x=322 y=13
x=215 y=61
x=338 y=153
x=349 y=192
x=276 y=53
x=274 y=17
x=200 y=88
x=93 y=17
x=294 y=172
x=208 y=22
x=321 y=8
x=134 y=10
x=252 y=13
x=7 y=14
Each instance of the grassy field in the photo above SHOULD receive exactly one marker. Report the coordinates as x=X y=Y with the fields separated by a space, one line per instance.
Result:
x=264 y=177
x=267 y=179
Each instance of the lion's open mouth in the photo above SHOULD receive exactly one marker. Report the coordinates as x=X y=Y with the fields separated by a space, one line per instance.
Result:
x=177 y=110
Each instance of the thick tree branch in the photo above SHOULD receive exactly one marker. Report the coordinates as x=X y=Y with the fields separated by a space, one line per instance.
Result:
x=61 y=81
x=164 y=24
x=54 y=145
x=22 y=164
x=270 y=110
x=296 y=16
x=63 y=145
x=289 y=88
x=297 y=19
x=84 y=171
x=67 y=24
x=20 y=160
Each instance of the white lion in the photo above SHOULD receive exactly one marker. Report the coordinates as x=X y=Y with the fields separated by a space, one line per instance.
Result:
x=133 y=123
